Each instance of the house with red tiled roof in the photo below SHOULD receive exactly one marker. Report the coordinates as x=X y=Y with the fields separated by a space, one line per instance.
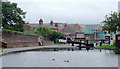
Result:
x=77 y=26
x=90 y=31
x=55 y=26
x=73 y=32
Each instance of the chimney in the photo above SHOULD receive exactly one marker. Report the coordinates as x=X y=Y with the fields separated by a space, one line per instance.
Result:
x=56 y=24
x=27 y=23
x=40 y=22
x=65 y=25
x=51 y=23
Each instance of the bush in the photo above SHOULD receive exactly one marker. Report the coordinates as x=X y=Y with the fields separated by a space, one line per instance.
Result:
x=11 y=31
x=114 y=42
x=30 y=32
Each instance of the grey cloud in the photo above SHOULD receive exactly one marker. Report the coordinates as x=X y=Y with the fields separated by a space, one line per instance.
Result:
x=69 y=12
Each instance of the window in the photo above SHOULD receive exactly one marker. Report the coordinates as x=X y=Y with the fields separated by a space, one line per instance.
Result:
x=31 y=28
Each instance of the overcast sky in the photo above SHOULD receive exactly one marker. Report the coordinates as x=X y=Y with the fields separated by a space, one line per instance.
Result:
x=67 y=11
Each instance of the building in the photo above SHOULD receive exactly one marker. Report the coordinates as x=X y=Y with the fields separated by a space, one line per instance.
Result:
x=54 y=26
x=90 y=31
x=84 y=31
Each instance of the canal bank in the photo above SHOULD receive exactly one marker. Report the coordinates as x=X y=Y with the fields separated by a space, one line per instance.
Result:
x=50 y=47
x=11 y=50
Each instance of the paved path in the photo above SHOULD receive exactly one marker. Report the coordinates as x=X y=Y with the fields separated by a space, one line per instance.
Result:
x=9 y=50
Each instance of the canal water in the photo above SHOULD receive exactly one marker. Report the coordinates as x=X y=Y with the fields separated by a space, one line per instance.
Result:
x=81 y=58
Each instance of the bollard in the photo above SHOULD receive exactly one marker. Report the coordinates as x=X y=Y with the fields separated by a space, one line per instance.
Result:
x=72 y=49
x=79 y=48
x=68 y=49
x=72 y=44
x=87 y=49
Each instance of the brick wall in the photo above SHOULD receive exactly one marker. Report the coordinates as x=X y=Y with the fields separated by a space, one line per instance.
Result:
x=26 y=27
x=19 y=40
x=48 y=43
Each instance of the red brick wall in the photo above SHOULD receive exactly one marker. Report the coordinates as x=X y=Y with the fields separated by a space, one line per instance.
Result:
x=26 y=27
x=19 y=40
x=48 y=43
x=22 y=44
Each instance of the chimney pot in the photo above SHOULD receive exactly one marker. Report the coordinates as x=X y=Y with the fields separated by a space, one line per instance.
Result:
x=65 y=25
x=56 y=24
x=40 y=22
x=51 y=23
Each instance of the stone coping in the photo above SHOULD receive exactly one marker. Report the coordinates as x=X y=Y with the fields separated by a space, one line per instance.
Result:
x=10 y=50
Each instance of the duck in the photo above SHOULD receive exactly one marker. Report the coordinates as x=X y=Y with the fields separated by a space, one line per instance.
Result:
x=66 y=60
x=53 y=59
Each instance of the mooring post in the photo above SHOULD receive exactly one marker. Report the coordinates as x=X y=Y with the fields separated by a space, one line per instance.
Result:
x=72 y=49
x=68 y=49
x=80 y=45
x=72 y=44
x=79 y=48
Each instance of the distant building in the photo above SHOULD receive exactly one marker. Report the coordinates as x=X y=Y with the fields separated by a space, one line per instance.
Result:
x=84 y=31
x=90 y=31
x=54 y=26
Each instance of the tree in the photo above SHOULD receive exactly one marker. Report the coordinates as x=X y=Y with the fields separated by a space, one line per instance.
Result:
x=47 y=33
x=112 y=22
x=44 y=31
x=55 y=35
x=12 y=17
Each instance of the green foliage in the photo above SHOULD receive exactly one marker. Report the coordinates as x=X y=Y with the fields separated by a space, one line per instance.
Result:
x=114 y=42
x=12 y=16
x=11 y=31
x=55 y=35
x=2 y=48
x=107 y=46
x=112 y=22
x=47 y=33
x=30 y=32
x=44 y=31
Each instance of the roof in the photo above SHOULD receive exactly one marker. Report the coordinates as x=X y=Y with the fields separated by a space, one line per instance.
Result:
x=44 y=25
x=48 y=25
x=77 y=26
x=87 y=26
x=77 y=30
x=34 y=25
x=67 y=29
x=88 y=31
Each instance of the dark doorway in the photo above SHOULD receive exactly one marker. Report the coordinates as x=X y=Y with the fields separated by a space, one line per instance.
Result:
x=118 y=40
x=107 y=39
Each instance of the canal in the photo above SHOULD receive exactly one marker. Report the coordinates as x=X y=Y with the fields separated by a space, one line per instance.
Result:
x=80 y=58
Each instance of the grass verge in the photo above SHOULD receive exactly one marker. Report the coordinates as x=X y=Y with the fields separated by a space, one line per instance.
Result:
x=107 y=46
x=2 y=48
